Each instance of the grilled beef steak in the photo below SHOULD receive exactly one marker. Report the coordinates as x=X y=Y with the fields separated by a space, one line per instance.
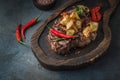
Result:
x=79 y=24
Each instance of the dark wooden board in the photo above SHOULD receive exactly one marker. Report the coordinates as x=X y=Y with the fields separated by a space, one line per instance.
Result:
x=90 y=53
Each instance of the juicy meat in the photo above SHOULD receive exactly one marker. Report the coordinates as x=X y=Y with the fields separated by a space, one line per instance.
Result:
x=64 y=46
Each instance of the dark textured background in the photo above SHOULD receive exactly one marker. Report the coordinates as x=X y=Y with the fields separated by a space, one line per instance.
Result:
x=19 y=63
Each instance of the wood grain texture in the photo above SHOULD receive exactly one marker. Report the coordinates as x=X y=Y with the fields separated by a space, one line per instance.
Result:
x=77 y=62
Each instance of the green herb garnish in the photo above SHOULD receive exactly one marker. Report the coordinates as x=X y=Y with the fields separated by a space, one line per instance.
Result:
x=59 y=39
x=79 y=11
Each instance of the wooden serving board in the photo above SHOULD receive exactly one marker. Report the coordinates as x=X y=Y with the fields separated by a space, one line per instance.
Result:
x=88 y=54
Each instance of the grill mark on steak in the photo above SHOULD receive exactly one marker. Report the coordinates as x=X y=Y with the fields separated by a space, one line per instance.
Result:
x=58 y=26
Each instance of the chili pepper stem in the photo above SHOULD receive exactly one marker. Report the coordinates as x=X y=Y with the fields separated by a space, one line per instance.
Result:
x=38 y=17
x=21 y=42
x=49 y=27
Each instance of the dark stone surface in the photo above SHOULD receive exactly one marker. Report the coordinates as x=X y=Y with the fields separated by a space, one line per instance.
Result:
x=19 y=63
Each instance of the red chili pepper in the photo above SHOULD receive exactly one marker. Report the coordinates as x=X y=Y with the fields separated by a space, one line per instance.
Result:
x=59 y=34
x=99 y=16
x=29 y=24
x=97 y=8
x=18 y=35
x=96 y=16
x=93 y=15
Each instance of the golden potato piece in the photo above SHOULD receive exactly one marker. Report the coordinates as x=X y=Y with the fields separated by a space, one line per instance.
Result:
x=70 y=32
x=75 y=28
x=74 y=15
x=94 y=26
x=79 y=24
x=65 y=20
x=70 y=24
x=87 y=31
